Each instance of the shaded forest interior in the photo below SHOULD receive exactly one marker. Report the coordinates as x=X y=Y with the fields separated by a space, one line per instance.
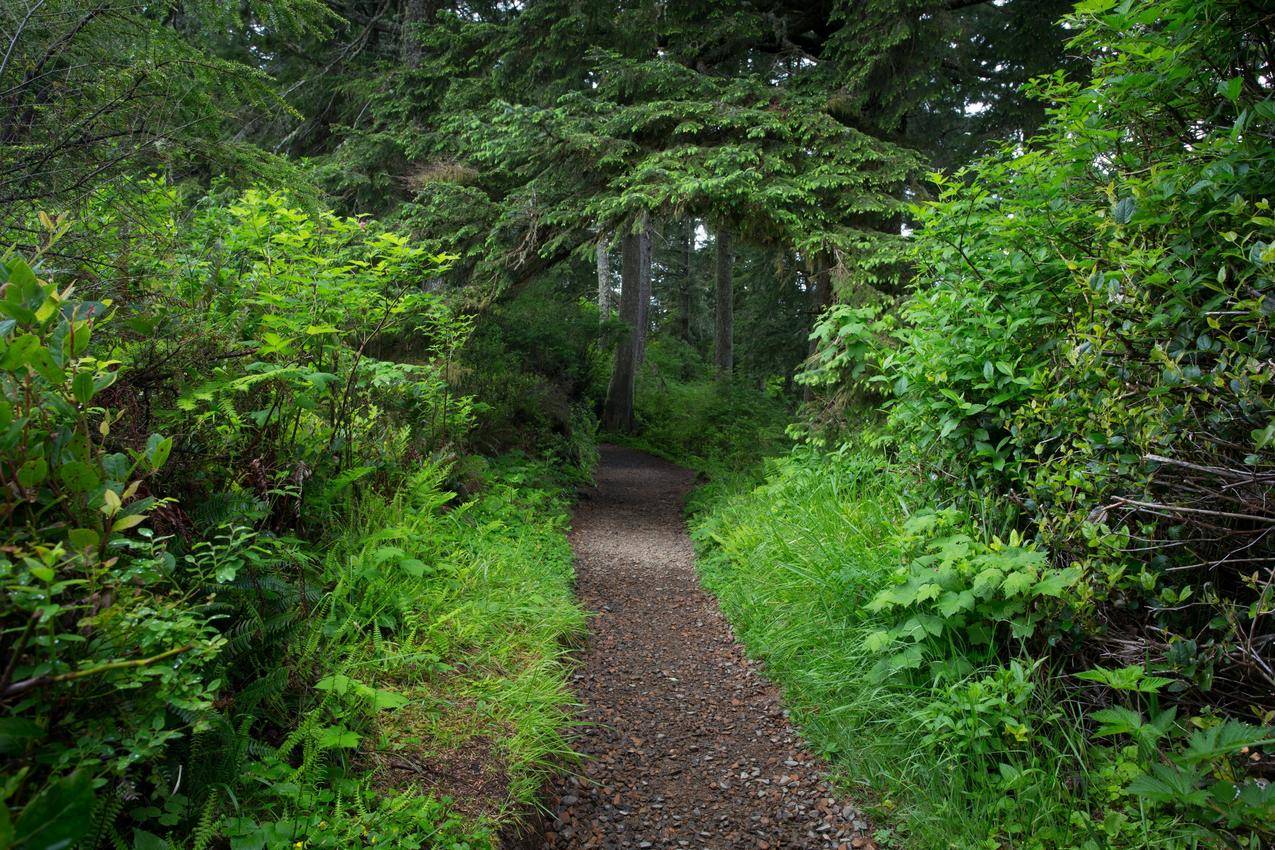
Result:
x=314 y=313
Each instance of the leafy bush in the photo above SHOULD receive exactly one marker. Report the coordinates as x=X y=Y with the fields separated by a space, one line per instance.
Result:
x=688 y=415
x=823 y=570
x=253 y=661
x=103 y=647
x=1079 y=379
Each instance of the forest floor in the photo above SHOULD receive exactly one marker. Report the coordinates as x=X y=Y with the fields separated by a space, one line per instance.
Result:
x=685 y=744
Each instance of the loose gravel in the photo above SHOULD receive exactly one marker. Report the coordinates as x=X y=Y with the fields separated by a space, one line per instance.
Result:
x=686 y=745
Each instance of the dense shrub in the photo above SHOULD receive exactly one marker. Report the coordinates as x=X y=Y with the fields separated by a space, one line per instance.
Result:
x=240 y=633
x=1081 y=375
x=892 y=629
x=687 y=414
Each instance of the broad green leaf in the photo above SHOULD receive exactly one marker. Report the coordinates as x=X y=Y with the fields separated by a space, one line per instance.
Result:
x=59 y=815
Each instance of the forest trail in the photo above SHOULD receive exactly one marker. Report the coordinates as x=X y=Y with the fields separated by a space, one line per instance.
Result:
x=685 y=743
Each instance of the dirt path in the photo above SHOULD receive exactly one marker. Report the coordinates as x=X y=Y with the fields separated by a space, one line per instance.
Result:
x=686 y=744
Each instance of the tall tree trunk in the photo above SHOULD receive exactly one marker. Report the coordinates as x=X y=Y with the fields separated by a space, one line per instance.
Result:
x=820 y=290
x=635 y=288
x=644 y=291
x=724 y=343
x=686 y=291
x=604 y=278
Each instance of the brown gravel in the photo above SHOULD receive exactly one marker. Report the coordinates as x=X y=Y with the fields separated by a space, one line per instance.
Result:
x=685 y=744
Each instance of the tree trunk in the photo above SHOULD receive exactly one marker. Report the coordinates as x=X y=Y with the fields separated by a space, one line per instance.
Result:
x=644 y=291
x=414 y=13
x=604 y=279
x=635 y=287
x=686 y=292
x=724 y=340
x=820 y=290
x=820 y=295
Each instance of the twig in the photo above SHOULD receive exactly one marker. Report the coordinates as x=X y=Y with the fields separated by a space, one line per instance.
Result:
x=1178 y=509
x=40 y=681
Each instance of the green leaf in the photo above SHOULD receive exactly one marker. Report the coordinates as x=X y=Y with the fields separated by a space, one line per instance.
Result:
x=82 y=539
x=143 y=840
x=19 y=352
x=59 y=816
x=157 y=450
x=337 y=683
x=33 y=472
x=83 y=386
x=1124 y=210
x=16 y=734
x=126 y=522
x=337 y=737
x=1057 y=581
x=1117 y=721
x=78 y=477
x=1018 y=582
x=6 y=828
x=388 y=700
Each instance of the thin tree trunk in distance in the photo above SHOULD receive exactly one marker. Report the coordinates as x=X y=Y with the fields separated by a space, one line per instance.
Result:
x=604 y=279
x=724 y=340
x=617 y=413
x=685 y=293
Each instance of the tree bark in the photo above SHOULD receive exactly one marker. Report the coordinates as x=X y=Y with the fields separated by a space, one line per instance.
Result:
x=686 y=292
x=414 y=13
x=644 y=291
x=820 y=291
x=604 y=279
x=724 y=343
x=820 y=295
x=635 y=288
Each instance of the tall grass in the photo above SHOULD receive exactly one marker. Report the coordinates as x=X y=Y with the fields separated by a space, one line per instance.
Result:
x=433 y=693
x=793 y=562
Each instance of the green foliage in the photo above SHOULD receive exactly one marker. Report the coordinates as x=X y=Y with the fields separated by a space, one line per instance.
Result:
x=1080 y=372
x=970 y=748
x=96 y=93
x=958 y=594
x=686 y=414
x=535 y=367
x=96 y=625
x=312 y=313
x=249 y=661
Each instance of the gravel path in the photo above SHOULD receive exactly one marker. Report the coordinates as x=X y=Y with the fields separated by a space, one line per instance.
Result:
x=686 y=744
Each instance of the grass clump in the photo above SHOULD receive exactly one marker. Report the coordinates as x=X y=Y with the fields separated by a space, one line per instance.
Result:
x=428 y=683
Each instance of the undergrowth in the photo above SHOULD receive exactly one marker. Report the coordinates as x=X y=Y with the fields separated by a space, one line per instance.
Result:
x=686 y=414
x=971 y=749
